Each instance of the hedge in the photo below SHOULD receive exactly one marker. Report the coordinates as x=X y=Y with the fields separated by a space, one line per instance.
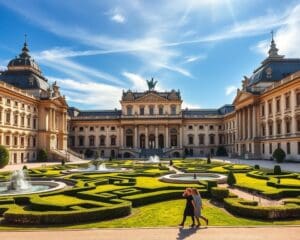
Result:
x=17 y=215
x=258 y=175
x=219 y=193
x=250 y=209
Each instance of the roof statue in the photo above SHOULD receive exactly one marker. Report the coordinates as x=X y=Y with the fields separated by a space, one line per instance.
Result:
x=151 y=84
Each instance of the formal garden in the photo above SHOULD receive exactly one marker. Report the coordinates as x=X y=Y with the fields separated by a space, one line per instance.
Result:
x=131 y=193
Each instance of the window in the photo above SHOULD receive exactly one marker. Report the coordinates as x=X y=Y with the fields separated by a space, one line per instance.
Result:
x=270 y=148
x=15 y=141
x=16 y=119
x=34 y=123
x=263 y=130
x=102 y=128
x=7 y=101
x=22 y=142
x=7 y=140
x=142 y=110
x=263 y=148
x=113 y=140
x=22 y=121
x=278 y=105
x=16 y=104
x=270 y=129
x=173 y=110
x=201 y=139
x=102 y=140
x=263 y=109
x=298 y=99
x=81 y=140
x=270 y=107
x=279 y=127
x=298 y=125
x=92 y=140
x=91 y=129
x=33 y=142
x=129 y=110
x=220 y=127
x=298 y=148
x=191 y=139
x=212 y=139
x=151 y=110
x=28 y=121
x=161 y=110
x=288 y=126
x=211 y=127
x=288 y=148
x=8 y=118
x=81 y=129
x=287 y=101
x=113 y=128
x=190 y=127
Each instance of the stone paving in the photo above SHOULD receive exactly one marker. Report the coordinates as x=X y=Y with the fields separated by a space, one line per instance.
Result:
x=210 y=233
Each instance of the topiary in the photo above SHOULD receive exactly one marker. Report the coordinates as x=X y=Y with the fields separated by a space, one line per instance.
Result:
x=4 y=156
x=256 y=166
x=277 y=170
x=42 y=155
x=63 y=162
x=221 y=151
x=208 y=160
x=25 y=167
x=279 y=155
x=231 y=180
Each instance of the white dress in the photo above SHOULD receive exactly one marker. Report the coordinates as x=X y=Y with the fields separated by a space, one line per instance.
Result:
x=198 y=204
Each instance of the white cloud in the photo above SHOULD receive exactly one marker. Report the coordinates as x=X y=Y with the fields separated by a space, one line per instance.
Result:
x=190 y=105
x=118 y=18
x=138 y=82
x=230 y=90
x=189 y=59
x=91 y=94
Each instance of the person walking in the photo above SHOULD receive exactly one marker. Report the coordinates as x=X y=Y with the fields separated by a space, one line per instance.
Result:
x=198 y=206
x=189 y=209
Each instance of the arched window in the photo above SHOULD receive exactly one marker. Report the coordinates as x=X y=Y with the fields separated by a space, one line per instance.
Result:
x=113 y=140
x=211 y=139
x=129 y=110
x=173 y=109
x=92 y=140
x=102 y=140
x=191 y=139
x=161 y=110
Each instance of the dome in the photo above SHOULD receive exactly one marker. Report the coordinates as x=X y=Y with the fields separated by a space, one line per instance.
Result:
x=24 y=60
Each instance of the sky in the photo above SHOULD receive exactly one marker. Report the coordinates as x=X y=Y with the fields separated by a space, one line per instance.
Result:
x=95 y=49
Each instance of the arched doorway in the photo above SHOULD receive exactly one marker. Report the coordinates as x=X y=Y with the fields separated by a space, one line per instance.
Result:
x=161 y=141
x=142 y=141
x=151 y=141
x=173 y=137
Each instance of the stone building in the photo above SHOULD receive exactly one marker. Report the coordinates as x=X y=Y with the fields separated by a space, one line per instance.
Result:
x=264 y=115
x=33 y=114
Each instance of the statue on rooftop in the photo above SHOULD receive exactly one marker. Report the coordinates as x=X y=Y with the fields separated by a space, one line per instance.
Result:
x=151 y=84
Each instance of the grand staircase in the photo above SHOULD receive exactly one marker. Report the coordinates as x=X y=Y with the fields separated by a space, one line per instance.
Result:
x=69 y=155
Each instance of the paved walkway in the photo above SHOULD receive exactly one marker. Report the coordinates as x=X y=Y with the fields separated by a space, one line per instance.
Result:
x=211 y=233
x=287 y=166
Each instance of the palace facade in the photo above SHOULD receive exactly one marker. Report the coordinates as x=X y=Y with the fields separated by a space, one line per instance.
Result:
x=264 y=115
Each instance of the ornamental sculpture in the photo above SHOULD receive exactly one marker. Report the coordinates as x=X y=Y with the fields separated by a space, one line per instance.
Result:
x=151 y=84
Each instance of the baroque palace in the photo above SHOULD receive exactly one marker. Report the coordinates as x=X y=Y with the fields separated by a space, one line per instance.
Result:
x=264 y=115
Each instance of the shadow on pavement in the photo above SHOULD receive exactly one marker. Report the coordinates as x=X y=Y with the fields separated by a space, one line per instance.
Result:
x=186 y=232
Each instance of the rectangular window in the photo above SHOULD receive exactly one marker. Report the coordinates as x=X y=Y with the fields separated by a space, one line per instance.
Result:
x=298 y=125
x=34 y=142
x=151 y=110
x=287 y=102
x=278 y=127
x=161 y=110
x=263 y=109
x=288 y=126
x=8 y=118
x=34 y=123
x=298 y=99
x=278 y=105
x=263 y=148
x=298 y=148
x=142 y=110
x=288 y=148
x=270 y=129
x=201 y=139
x=7 y=140
x=270 y=148
x=270 y=107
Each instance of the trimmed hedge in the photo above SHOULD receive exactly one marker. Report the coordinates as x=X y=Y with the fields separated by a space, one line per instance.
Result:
x=250 y=209
x=4 y=156
x=219 y=193
x=18 y=215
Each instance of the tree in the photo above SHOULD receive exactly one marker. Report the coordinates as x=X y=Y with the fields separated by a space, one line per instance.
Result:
x=4 y=156
x=208 y=160
x=231 y=180
x=221 y=151
x=42 y=155
x=277 y=170
x=279 y=155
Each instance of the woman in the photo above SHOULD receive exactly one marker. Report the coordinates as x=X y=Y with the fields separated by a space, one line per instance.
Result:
x=189 y=209
x=197 y=204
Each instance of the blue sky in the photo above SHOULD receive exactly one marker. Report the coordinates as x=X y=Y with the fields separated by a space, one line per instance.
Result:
x=95 y=49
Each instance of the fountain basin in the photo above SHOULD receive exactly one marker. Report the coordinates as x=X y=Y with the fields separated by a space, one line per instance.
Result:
x=190 y=177
x=34 y=187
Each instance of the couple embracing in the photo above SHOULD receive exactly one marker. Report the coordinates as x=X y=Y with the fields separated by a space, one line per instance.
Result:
x=193 y=207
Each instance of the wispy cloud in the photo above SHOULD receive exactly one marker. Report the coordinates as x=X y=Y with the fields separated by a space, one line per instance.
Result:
x=230 y=90
x=118 y=18
x=189 y=59
x=138 y=82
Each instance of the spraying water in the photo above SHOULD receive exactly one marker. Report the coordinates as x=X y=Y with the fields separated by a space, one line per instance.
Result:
x=18 y=181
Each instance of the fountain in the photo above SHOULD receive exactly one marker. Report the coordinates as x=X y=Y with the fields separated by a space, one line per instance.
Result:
x=193 y=177
x=153 y=159
x=19 y=184
x=98 y=167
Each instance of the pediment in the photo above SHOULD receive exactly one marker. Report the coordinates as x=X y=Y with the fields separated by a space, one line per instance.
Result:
x=242 y=96
x=151 y=97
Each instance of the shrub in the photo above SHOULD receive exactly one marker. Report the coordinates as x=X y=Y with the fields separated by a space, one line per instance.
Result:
x=277 y=170
x=219 y=193
x=208 y=160
x=4 y=156
x=231 y=179
x=42 y=155
x=256 y=166
x=63 y=162
x=279 y=155
x=171 y=162
x=221 y=151
x=96 y=155
x=24 y=167
x=210 y=185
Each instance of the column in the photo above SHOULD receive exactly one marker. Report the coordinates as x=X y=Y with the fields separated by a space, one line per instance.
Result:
x=244 y=123
x=249 y=122
x=146 y=137
x=50 y=119
x=254 y=124
x=156 y=137
x=180 y=137
x=122 y=137
x=135 y=137
x=54 y=120
x=237 y=135
x=166 y=136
